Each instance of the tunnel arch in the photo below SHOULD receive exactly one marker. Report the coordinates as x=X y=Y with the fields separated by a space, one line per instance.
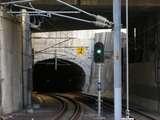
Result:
x=84 y=62
x=68 y=76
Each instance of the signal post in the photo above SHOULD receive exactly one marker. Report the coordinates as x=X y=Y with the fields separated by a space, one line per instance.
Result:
x=99 y=60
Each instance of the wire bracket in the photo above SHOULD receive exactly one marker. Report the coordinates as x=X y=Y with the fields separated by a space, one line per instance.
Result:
x=100 y=20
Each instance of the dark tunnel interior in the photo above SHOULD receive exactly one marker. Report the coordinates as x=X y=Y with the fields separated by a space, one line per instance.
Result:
x=68 y=76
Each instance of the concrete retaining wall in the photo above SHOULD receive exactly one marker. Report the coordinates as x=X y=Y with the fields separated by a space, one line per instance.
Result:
x=145 y=62
x=107 y=66
x=143 y=87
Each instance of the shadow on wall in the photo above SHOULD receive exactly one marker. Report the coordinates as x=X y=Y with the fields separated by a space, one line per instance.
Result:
x=65 y=77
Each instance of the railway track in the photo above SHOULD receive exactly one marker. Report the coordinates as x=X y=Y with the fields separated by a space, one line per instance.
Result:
x=107 y=106
x=61 y=110
x=75 y=115
x=68 y=107
x=51 y=107
x=45 y=99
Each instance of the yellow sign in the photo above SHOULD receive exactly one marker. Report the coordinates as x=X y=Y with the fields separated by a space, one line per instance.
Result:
x=81 y=51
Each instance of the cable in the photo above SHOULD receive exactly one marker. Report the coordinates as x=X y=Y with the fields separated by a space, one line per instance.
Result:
x=52 y=46
x=97 y=23
x=42 y=11
x=97 y=17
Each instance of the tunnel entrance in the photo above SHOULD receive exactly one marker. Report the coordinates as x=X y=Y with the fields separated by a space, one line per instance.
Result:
x=68 y=76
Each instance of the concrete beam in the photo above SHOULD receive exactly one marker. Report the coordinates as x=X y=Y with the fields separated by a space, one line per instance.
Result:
x=133 y=3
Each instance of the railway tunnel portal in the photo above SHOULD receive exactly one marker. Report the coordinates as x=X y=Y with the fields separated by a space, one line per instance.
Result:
x=144 y=50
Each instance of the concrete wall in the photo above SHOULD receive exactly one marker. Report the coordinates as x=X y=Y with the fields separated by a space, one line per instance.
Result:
x=133 y=3
x=11 y=63
x=145 y=62
x=107 y=67
x=82 y=38
x=67 y=50
x=143 y=87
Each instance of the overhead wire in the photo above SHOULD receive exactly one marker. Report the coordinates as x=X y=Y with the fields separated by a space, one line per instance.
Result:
x=99 y=21
x=52 y=46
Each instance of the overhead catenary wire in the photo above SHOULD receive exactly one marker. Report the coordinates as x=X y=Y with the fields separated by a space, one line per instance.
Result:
x=97 y=17
x=52 y=46
x=97 y=23
x=53 y=13
x=76 y=8
x=100 y=20
x=34 y=12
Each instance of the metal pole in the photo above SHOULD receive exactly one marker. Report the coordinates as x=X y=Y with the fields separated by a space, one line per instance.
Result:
x=117 y=60
x=23 y=39
x=26 y=66
x=99 y=90
x=127 y=64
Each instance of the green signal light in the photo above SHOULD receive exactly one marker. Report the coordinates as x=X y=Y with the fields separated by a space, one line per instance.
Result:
x=99 y=51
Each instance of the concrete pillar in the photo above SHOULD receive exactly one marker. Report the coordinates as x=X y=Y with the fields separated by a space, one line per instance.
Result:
x=10 y=63
x=27 y=60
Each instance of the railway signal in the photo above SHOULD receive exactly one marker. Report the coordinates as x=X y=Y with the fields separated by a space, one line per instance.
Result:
x=99 y=52
x=99 y=60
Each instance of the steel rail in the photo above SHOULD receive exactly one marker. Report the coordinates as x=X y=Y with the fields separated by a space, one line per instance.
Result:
x=108 y=104
x=61 y=110
x=77 y=111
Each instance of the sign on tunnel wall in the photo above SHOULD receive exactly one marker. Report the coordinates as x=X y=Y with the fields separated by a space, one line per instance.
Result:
x=81 y=51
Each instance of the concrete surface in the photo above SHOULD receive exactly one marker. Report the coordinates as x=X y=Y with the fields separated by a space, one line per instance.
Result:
x=144 y=59
x=102 y=2
x=76 y=39
x=12 y=71
x=10 y=65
